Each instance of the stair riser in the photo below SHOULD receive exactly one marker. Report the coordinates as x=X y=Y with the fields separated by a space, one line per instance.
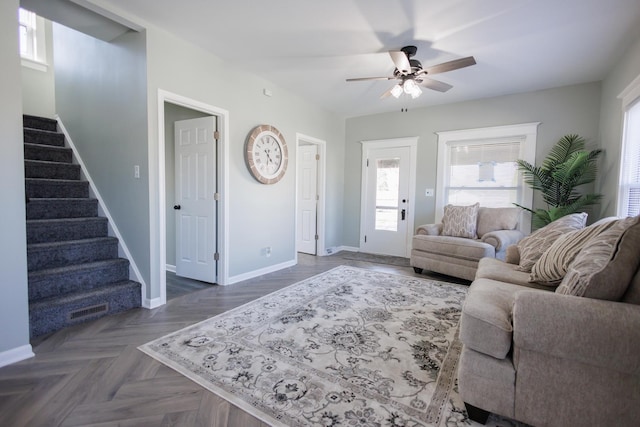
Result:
x=63 y=208
x=34 y=136
x=44 y=319
x=51 y=170
x=34 y=122
x=64 y=230
x=50 y=154
x=77 y=253
x=45 y=286
x=53 y=189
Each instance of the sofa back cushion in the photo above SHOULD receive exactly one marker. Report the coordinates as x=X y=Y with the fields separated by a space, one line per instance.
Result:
x=534 y=245
x=494 y=219
x=554 y=263
x=605 y=267
x=460 y=221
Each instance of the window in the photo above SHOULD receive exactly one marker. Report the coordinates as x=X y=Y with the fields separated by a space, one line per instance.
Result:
x=32 y=43
x=479 y=165
x=629 y=192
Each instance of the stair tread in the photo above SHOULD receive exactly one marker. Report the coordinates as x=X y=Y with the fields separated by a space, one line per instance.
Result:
x=47 y=147
x=72 y=296
x=57 y=199
x=77 y=267
x=71 y=242
x=51 y=162
x=53 y=220
x=60 y=180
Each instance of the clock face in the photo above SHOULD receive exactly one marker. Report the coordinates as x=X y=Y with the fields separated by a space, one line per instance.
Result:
x=266 y=154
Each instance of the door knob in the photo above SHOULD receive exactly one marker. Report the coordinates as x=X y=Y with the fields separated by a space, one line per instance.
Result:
x=176 y=207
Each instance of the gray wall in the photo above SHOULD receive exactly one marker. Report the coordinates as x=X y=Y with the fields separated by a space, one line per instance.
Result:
x=611 y=121
x=571 y=109
x=173 y=113
x=38 y=91
x=14 y=310
x=101 y=98
x=260 y=215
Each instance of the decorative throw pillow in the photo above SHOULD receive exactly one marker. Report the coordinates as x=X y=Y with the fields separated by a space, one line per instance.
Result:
x=554 y=262
x=460 y=221
x=534 y=245
x=605 y=267
x=494 y=219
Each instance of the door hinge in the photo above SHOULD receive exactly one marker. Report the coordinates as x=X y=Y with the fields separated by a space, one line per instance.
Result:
x=317 y=197
x=367 y=162
x=216 y=197
x=216 y=256
x=216 y=135
x=317 y=237
x=365 y=239
x=317 y=156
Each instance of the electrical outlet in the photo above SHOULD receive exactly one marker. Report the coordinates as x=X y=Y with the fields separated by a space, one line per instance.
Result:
x=136 y=171
x=428 y=192
x=266 y=251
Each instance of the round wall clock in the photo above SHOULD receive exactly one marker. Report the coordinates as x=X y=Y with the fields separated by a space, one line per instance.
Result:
x=266 y=154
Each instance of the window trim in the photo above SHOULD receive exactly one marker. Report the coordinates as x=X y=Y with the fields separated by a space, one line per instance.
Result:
x=526 y=133
x=630 y=97
x=38 y=60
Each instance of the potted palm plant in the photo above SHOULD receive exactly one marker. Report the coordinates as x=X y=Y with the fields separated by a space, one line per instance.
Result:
x=566 y=167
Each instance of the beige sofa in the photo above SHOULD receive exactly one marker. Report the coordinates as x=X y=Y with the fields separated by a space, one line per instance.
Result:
x=564 y=358
x=459 y=256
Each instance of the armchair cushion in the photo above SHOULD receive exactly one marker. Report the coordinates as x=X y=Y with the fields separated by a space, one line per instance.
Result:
x=494 y=219
x=604 y=269
x=460 y=221
x=471 y=249
x=534 y=245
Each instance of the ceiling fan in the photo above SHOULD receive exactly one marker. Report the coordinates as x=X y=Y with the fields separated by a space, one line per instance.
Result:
x=411 y=75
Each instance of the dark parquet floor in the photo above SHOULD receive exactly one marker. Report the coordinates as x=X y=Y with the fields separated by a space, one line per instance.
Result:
x=93 y=374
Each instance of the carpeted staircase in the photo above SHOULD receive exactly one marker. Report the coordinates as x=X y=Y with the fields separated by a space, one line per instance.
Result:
x=75 y=274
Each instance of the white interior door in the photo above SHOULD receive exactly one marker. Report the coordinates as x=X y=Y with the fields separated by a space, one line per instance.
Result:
x=307 y=199
x=195 y=205
x=386 y=179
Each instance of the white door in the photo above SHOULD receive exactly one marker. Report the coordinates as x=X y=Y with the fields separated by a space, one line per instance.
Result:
x=307 y=199
x=195 y=205
x=386 y=207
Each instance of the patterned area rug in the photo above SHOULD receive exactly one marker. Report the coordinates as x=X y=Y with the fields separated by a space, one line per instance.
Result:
x=348 y=347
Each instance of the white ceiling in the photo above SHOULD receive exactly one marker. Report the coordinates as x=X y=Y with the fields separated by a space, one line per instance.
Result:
x=311 y=47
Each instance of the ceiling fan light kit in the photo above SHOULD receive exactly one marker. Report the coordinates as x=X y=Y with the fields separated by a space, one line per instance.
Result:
x=412 y=75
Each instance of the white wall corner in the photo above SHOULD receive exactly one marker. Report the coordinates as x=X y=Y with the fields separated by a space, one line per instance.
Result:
x=15 y=355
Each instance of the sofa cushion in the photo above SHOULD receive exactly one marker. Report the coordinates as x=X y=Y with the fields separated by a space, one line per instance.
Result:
x=534 y=245
x=457 y=247
x=604 y=269
x=460 y=221
x=494 y=269
x=494 y=219
x=485 y=324
x=552 y=266
x=632 y=296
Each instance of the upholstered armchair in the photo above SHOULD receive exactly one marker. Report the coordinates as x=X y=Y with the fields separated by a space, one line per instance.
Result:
x=466 y=235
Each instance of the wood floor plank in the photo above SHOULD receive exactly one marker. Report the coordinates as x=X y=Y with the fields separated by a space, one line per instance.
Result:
x=93 y=374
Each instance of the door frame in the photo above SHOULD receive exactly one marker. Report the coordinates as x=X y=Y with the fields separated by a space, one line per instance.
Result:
x=412 y=143
x=157 y=187
x=302 y=139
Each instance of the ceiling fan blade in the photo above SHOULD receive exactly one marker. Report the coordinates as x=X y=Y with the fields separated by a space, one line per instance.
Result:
x=435 y=85
x=386 y=94
x=401 y=61
x=450 y=66
x=360 y=79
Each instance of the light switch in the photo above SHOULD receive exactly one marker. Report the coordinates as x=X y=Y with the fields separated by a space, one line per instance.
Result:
x=136 y=171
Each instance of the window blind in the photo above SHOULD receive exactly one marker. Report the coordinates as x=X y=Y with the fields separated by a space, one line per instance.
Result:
x=630 y=173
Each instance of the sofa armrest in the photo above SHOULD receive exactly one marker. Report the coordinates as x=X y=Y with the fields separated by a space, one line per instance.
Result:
x=502 y=239
x=595 y=332
x=430 y=229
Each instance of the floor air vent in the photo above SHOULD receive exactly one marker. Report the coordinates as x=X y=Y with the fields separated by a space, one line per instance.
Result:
x=89 y=311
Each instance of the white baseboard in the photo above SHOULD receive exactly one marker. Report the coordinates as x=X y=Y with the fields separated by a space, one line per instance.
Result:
x=171 y=268
x=260 y=272
x=15 y=355
x=153 y=302
x=335 y=249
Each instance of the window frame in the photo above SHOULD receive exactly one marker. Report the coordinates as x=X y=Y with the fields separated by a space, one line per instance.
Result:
x=630 y=97
x=525 y=133
x=36 y=54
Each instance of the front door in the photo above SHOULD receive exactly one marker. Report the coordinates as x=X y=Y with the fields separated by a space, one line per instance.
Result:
x=386 y=207
x=307 y=199
x=195 y=204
